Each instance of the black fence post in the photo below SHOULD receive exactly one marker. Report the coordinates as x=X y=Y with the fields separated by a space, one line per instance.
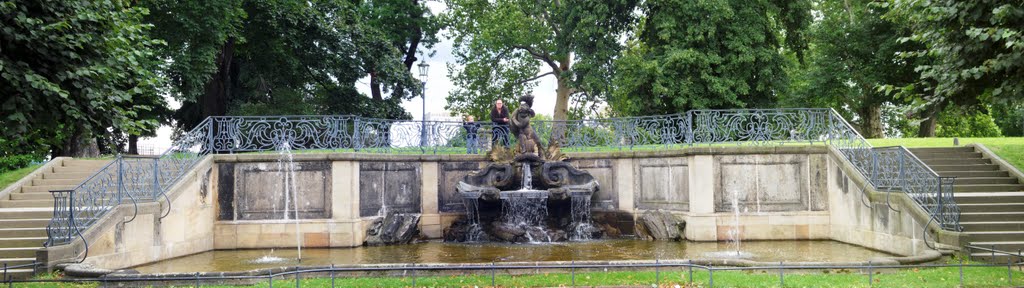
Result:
x=689 y=267
x=271 y=280
x=197 y=279
x=961 y=272
x=572 y=271
x=782 y=279
x=870 y=275
x=414 y=275
x=297 y=273
x=332 y=276
x=711 y=276
x=657 y=272
x=492 y=274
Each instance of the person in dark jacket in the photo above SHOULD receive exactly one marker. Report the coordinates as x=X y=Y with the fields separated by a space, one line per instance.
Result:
x=499 y=116
x=472 y=143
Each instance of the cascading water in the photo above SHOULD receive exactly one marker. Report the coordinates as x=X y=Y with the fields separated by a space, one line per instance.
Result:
x=475 y=232
x=527 y=177
x=581 y=225
x=286 y=165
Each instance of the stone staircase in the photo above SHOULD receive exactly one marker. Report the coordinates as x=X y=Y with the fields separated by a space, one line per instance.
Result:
x=991 y=200
x=25 y=213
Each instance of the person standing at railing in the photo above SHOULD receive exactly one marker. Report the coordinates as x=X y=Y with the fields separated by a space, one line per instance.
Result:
x=499 y=116
x=471 y=137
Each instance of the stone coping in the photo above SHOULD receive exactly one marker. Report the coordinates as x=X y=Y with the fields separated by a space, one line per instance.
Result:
x=257 y=275
x=998 y=161
x=668 y=152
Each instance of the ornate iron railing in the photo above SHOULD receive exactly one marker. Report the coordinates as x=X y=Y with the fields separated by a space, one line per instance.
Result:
x=146 y=179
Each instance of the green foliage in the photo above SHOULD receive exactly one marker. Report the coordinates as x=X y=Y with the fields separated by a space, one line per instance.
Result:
x=1009 y=117
x=958 y=122
x=83 y=66
x=13 y=162
x=708 y=54
x=505 y=45
x=973 y=48
x=851 y=56
x=281 y=57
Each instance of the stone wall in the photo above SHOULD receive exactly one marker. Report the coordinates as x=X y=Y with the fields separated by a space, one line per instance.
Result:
x=233 y=201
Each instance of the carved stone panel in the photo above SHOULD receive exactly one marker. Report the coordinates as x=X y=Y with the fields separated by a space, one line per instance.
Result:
x=259 y=191
x=765 y=183
x=448 y=200
x=390 y=186
x=606 y=198
x=662 y=183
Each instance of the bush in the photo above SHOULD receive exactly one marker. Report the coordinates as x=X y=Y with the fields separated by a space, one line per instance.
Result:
x=958 y=122
x=15 y=162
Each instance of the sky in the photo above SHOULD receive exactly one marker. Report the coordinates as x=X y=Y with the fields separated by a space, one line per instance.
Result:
x=438 y=87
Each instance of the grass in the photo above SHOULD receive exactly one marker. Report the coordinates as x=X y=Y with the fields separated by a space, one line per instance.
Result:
x=1010 y=149
x=9 y=177
x=668 y=277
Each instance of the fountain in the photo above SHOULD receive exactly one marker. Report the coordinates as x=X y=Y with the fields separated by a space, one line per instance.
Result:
x=555 y=208
x=286 y=165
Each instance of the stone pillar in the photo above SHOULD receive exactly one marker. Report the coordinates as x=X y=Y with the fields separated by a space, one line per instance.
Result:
x=430 y=219
x=347 y=229
x=701 y=224
x=623 y=170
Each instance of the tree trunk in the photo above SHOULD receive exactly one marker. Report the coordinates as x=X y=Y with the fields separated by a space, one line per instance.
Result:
x=871 y=121
x=927 y=127
x=217 y=94
x=79 y=144
x=133 y=145
x=375 y=87
x=562 y=93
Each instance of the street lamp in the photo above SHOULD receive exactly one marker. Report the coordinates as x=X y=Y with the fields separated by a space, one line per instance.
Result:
x=423 y=67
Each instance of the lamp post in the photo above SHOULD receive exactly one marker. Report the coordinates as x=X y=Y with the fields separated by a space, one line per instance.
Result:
x=423 y=67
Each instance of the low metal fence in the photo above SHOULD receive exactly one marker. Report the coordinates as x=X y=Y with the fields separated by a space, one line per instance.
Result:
x=665 y=272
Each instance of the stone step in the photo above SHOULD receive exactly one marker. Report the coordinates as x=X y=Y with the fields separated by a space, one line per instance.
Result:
x=81 y=176
x=991 y=217
x=19 y=252
x=924 y=156
x=24 y=223
x=1008 y=246
x=985 y=180
x=962 y=149
x=26 y=213
x=22 y=232
x=45 y=188
x=40 y=181
x=979 y=167
x=944 y=161
x=995 y=236
x=988 y=188
x=16 y=262
x=87 y=162
x=32 y=196
x=991 y=207
x=22 y=241
x=972 y=174
x=998 y=258
x=988 y=197
x=993 y=226
x=26 y=203
x=20 y=273
x=72 y=169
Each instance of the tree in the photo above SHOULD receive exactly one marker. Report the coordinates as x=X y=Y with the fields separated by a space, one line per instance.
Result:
x=71 y=71
x=973 y=50
x=278 y=56
x=407 y=25
x=708 y=54
x=504 y=45
x=853 y=54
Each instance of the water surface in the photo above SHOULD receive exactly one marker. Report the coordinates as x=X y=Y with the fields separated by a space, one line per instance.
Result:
x=441 y=252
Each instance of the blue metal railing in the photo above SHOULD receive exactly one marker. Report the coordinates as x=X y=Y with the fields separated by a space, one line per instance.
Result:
x=147 y=179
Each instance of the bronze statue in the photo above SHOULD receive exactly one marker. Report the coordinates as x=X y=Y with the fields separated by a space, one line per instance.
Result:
x=530 y=147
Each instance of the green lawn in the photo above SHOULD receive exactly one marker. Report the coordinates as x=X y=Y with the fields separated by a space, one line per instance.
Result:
x=9 y=177
x=669 y=277
x=1010 y=149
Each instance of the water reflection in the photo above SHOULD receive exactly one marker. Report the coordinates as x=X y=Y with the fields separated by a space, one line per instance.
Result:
x=441 y=252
